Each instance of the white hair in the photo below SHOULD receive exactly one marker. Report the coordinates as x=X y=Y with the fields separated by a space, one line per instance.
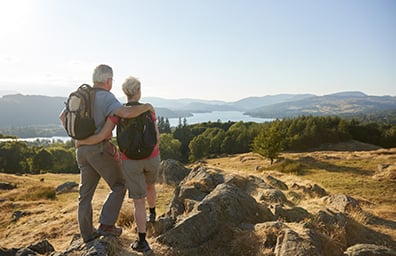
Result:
x=102 y=73
x=131 y=86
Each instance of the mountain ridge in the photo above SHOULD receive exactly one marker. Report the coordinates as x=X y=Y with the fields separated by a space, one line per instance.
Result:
x=17 y=110
x=344 y=103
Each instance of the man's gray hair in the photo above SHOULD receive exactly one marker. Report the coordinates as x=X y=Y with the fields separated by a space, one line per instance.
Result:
x=102 y=73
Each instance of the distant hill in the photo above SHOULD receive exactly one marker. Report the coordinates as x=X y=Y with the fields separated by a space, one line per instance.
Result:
x=257 y=102
x=197 y=105
x=19 y=110
x=179 y=104
x=24 y=110
x=342 y=104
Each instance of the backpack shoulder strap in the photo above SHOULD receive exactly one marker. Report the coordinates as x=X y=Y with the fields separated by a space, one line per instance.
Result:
x=92 y=94
x=133 y=103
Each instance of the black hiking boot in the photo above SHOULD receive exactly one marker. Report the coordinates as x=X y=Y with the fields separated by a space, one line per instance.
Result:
x=141 y=246
x=151 y=217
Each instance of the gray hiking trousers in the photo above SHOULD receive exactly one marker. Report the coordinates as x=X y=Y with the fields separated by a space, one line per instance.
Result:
x=94 y=162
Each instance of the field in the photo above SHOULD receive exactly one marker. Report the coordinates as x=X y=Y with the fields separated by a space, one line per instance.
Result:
x=44 y=215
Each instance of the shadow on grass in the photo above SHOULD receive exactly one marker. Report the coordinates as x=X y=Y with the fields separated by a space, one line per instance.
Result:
x=358 y=233
x=374 y=220
x=311 y=163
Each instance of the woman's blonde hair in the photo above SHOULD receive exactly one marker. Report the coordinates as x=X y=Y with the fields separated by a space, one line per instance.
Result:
x=131 y=86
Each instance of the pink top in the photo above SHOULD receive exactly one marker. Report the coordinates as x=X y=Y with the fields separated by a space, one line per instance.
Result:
x=156 y=149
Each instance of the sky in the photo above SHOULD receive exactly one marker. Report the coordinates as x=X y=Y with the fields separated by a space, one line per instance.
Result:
x=203 y=49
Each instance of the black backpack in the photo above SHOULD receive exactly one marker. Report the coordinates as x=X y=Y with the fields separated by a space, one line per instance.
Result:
x=136 y=137
x=79 y=121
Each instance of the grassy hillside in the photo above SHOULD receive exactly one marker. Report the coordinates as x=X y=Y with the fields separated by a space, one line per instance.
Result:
x=354 y=173
x=347 y=172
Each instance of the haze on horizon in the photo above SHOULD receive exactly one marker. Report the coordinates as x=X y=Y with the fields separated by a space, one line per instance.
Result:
x=214 y=50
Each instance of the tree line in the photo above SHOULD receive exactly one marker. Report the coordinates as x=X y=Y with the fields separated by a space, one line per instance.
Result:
x=211 y=139
x=37 y=157
x=189 y=143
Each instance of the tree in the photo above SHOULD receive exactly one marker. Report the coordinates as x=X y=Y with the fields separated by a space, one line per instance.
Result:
x=42 y=161
x=170 y=147
x=216 y=138
x=228 y=145
x=163 y=125
x=14 y=156
x=167 y=127
x=199 y=147
x=184 y=135
x=64 y=160
x=237 y=139
x=389 y=137
x=269 y=142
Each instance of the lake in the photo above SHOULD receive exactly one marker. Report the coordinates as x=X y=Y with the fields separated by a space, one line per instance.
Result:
x=52 y=139
x=223 y=116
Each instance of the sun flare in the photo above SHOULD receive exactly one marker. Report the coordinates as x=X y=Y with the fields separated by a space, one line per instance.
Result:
x=14 y=13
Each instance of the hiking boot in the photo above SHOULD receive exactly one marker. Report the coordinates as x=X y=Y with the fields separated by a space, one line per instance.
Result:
x=151 y=217
x=141 y=246
x=94 y=236
x=106 y=230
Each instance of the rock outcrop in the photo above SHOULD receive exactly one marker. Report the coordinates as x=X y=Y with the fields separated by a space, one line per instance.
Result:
x=40 y=248
x=211 y=209
x=216 y=213
x=172 y=172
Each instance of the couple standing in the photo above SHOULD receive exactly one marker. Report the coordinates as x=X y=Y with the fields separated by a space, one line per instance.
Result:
x=97 y=157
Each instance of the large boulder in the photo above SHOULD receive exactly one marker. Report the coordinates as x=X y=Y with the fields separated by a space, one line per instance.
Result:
x=291 y=239
x=341 y=203
x=227 y=205
x=195 y=187
x=291 y=243
x=172 y=172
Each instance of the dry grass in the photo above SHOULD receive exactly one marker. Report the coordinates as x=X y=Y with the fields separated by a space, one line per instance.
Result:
x=345 y=172
x=246 y=243
x=127 y=215
x=55 y=219
x=43 y=216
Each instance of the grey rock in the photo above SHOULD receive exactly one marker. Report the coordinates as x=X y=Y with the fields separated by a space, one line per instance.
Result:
x=172 y=172
x=6 y=186
x=369 y=250
x=66 y=187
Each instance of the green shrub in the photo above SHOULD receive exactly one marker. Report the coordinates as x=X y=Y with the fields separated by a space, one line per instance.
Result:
x=290 y=167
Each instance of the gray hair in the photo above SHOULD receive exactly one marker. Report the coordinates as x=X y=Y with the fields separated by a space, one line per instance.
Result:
x=131 y=86
x=102 y=73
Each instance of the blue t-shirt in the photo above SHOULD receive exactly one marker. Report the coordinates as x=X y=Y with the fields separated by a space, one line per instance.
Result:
x=105 y=104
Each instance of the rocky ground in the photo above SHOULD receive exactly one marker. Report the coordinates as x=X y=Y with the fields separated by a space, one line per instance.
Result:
x=217 y=212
